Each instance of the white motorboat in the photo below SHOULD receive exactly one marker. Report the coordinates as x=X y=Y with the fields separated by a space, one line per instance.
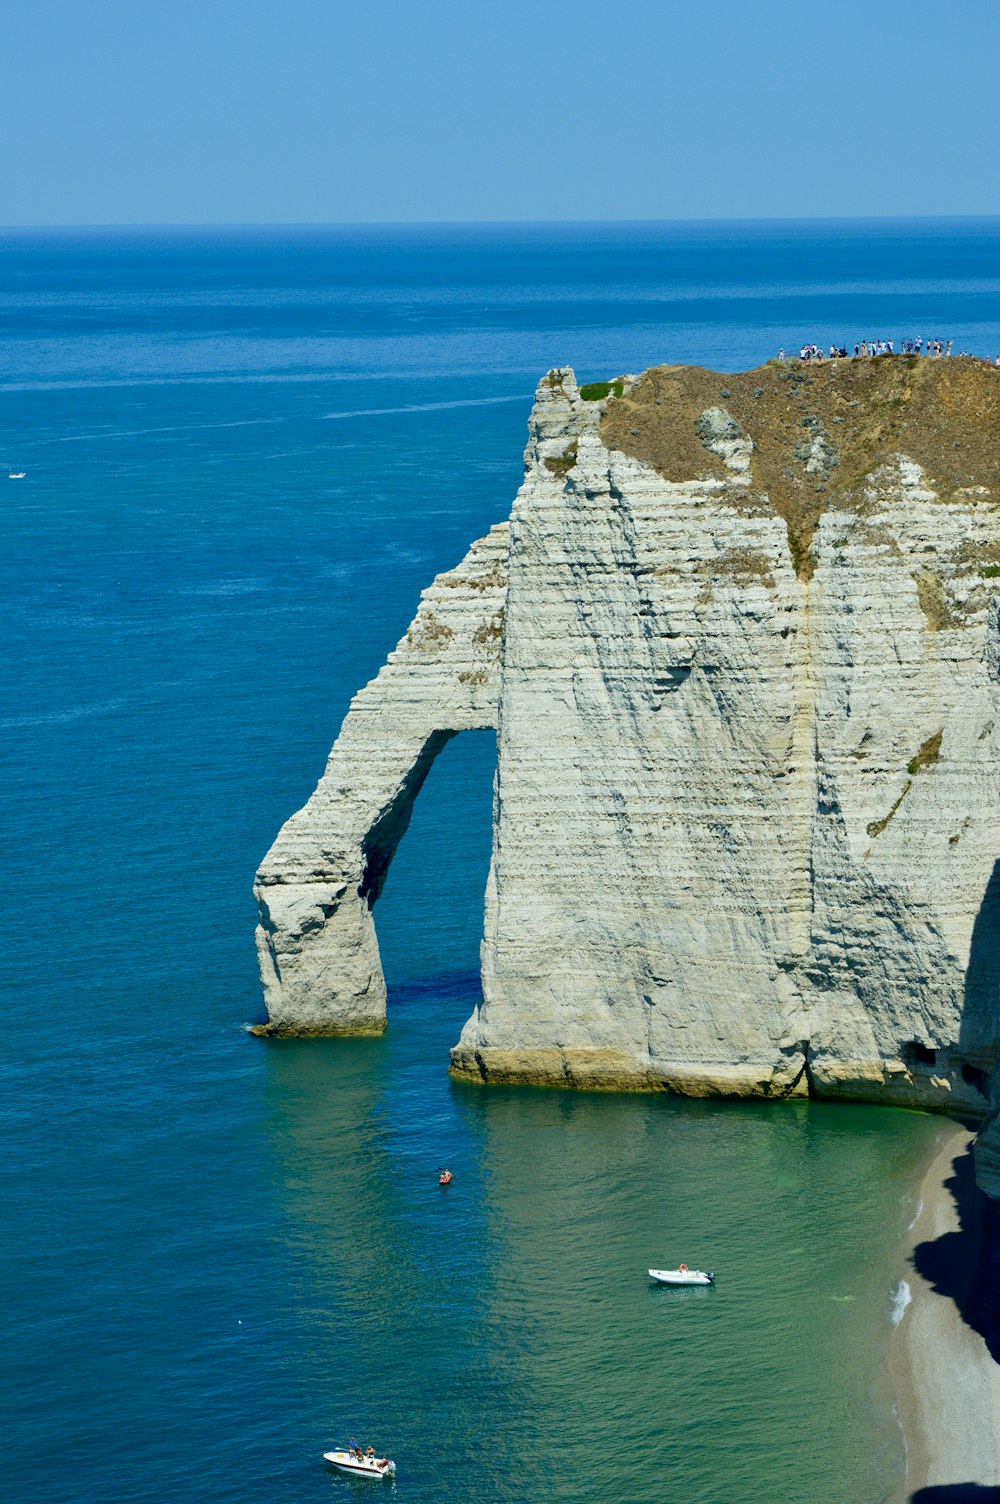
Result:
x=361 y=1467
x=15 y=474
x=681 y=1276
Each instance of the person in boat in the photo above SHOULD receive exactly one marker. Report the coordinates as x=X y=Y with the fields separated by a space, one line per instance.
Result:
x=370 y=1452
x=682 y=1268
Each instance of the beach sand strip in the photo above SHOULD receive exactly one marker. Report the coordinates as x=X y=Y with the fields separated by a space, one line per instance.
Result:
x=945 y=1380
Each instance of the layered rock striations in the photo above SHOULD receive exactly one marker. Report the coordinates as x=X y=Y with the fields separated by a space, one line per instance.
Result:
x=743 y=656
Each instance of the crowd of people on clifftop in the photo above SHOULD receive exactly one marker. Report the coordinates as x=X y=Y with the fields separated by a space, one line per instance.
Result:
x=865 y=348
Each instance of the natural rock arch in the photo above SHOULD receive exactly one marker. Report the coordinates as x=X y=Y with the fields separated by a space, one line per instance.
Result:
x=316 y=941
x=743 y=665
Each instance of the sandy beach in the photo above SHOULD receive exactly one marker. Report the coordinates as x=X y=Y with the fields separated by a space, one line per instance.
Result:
x=946 y=1381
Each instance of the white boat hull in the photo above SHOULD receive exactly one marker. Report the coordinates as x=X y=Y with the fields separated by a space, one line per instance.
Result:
x=681 y=1277
x=375 y=1467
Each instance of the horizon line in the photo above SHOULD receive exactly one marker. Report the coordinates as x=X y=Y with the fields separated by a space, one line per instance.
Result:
x=428 y=224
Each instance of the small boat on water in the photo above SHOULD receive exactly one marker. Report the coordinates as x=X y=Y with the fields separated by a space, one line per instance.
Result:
x=15 y=474
x=362 y=1467
x=445 y=1177
x=682 y=1275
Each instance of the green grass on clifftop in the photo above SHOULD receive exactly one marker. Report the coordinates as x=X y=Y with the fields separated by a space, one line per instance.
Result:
x=596 y=391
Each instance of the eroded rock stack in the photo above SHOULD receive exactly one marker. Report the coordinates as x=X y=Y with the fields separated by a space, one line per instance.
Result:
x=744 y=664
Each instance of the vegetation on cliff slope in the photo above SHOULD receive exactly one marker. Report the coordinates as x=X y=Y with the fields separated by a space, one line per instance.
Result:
x=821 y=431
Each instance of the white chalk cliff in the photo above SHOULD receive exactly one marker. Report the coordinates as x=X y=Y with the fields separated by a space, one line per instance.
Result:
x=742 y=651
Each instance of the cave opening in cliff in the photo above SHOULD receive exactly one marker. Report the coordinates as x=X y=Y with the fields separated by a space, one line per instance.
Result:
x=429 y=876
x=919 y=1056
x=978 y=1079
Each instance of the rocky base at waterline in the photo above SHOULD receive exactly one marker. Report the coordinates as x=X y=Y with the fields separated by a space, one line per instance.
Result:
x=740 y=643
x=290 y=1030
x=597 y=1069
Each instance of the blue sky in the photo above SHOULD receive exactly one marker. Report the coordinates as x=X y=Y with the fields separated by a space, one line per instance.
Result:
x=212 y=111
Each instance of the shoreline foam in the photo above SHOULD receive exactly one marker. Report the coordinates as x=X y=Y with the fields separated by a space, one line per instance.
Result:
x=945 y=1381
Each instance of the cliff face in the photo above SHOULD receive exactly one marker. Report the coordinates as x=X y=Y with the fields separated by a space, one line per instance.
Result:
x=746 y=682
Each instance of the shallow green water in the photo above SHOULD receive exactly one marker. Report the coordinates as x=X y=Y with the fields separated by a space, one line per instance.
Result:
x=502 y=1338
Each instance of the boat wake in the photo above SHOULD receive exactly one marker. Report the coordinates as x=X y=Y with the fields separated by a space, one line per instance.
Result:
x=901 y=1297
x=426 y=407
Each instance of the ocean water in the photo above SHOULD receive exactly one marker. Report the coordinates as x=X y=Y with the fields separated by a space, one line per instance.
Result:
x=245 y=454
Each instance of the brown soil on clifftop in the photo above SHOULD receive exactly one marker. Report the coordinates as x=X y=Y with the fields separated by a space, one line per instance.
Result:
x=820 y=430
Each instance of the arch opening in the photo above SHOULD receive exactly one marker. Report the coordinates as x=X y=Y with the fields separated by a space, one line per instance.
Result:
x=384 y=835
x=430 y=910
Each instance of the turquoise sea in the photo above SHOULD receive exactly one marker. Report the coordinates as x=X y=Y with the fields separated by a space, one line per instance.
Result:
x=246 y=451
